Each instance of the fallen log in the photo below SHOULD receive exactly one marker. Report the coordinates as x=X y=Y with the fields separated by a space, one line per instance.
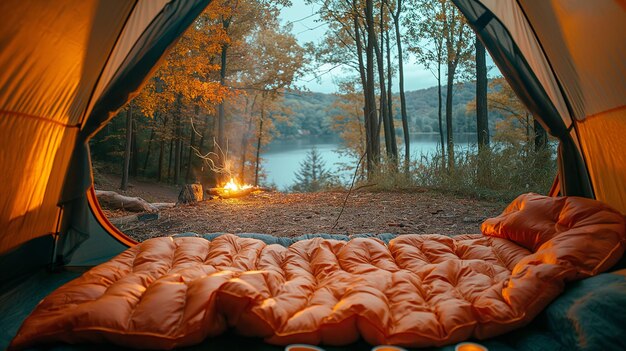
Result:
x=162 y=205
x=114 y=201
x=140 y=217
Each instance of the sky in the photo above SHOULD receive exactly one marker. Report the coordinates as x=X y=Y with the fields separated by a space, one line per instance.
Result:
x=308 y=28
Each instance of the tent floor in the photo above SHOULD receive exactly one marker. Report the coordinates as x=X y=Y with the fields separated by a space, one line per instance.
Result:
x=22 y=297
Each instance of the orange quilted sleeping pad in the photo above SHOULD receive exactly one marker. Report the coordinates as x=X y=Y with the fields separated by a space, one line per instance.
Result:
x=419 y=290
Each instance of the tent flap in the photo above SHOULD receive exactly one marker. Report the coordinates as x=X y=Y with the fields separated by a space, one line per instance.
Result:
x=66 y=70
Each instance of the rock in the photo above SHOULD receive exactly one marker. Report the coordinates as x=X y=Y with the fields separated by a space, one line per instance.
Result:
x=190 y=193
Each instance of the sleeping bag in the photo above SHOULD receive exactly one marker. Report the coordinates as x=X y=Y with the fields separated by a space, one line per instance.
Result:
x=415 y=291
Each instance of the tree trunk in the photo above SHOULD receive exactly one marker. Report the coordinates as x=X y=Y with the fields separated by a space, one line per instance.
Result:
x=161 y=159
x=146 y=160
x=181 y=161
x=170 y=159
x=257 y=160
x=405 y=118
x=394 y=146
x=384 y=111
x=440 y=115
x=177 y=150
x=162 y=150
x=134 y=151
x=190 y=157
x=244 y=139
x=541 y=136
x=449 y=133
x=373 y=150
x=482 y=121
x=178 y=141
x=244 y=151
x=221 y=118
x=221 y=140
x=363 y=75
x=129 y=136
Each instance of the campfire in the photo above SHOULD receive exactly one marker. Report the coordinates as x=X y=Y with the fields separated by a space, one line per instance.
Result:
x=232 y=189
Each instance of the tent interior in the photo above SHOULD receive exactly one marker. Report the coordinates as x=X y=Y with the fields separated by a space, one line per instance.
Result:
x=67 y=68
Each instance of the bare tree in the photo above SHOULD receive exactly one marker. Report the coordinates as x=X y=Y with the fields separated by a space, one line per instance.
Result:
x=482 y=118
x=129 y=135
x=405 y=120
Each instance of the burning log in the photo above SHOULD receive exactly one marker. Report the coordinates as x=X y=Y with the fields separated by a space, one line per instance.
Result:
x=231 y=194
x=233 y=190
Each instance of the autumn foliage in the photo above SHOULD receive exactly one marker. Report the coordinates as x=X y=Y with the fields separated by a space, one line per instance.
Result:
x=211 y=105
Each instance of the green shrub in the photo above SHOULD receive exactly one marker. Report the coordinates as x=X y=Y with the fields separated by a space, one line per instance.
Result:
x=501 y=172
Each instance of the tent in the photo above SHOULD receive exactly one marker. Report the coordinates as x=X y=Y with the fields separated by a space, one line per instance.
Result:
x=68 y=67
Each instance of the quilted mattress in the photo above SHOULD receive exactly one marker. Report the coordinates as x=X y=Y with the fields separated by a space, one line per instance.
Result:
x=417 y=290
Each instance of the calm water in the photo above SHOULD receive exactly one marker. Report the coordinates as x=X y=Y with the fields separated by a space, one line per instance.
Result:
x=282 y=158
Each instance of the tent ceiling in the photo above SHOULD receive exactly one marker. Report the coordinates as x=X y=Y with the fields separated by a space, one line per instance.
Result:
x=512 y=16
x=51 y=56
x=585 y=42
x=140 y=18
x=580 y=44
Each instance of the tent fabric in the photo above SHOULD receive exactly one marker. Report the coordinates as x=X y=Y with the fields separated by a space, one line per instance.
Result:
x=565 y=60
x=512 y=16
x=576 y=48
x=419 y=290
x=51 y=57
x=533 y=86
x=87 y=242
x=141 y=17
x=140 y=61
x=585 y=42
x=603 y=142
x=60 y=66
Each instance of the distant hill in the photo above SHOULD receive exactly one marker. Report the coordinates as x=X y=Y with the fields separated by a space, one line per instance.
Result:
x=312 y=111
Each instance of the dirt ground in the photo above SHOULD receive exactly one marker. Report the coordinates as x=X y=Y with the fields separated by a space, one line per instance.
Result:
x=292 y=214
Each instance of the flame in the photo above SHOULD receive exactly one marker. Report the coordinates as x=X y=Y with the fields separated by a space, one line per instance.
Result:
x=232 y=185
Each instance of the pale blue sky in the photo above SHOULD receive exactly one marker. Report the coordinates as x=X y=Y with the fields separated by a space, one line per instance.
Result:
x=306 y=28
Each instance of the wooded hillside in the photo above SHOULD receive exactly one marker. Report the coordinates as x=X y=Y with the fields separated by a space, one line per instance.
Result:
x=311 y=112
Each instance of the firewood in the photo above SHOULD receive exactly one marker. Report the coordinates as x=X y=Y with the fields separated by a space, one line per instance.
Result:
x=139 y=217
x=113 y=201
x=230 y=194
x=162 y=205
x=190 y=193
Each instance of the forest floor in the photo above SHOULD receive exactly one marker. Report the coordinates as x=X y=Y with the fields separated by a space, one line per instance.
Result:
x=291 y=214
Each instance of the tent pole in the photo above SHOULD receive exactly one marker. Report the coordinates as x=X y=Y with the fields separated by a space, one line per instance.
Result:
x=55 y=241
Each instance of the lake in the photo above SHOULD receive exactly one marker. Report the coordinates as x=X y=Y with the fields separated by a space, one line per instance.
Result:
x=282 y=158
